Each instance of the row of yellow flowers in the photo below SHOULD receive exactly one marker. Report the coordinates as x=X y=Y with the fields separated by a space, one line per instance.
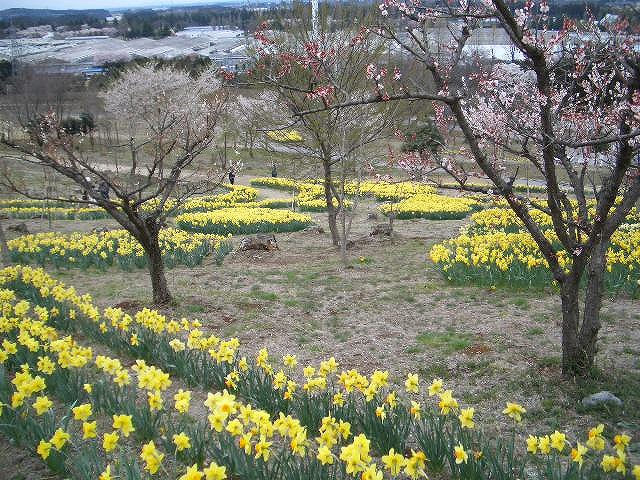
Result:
x=495 y=250
x=505 y=219
x=243 y=220
x=431 y=207
x=309 y=195
x=249 y=425
x=27 y=208
x=381 y=190
x=100 y=389
x=27 y=202
x=336 y=406
x=115 y=247
x=54 y=213
x=518 y=187
x=284 y=136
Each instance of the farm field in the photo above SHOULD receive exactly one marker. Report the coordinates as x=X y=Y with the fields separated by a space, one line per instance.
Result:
x=389 y=309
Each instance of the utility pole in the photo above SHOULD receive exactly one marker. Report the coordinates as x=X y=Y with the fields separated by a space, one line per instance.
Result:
x=15 y=49
x=315 y=26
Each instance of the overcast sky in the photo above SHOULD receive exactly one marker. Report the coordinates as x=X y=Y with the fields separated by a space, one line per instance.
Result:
x=81 y=4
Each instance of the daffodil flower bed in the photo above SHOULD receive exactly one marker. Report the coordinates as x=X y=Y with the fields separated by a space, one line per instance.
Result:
x=518 y=187
x=310 y=193
x=337 y=425
x=243 y=220
x=505 y=219
x=285 y=136
x=381 y=190
x=27 y=202
x=513 y=259
x=55 y=213
x=431 y=207
x=273 y=203
x=139 y=423
x=26 y=208
x=235 y=194
x=116 y=247
x=388 y=191
x=320 y=205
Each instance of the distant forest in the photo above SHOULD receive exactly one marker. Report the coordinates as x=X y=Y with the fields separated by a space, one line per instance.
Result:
x=152 y=23
x=157 y=24
x=161 y=23
x=21 y=18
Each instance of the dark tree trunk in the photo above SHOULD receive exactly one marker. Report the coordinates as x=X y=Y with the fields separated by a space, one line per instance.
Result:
x=161 y=294
x=569 y=294
x=588 y=334
x=331 y=210
x=580 y=331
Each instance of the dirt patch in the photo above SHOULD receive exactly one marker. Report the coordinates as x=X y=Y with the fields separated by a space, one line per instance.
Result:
x=477 y=349
x=16 y=463
x=129 y=306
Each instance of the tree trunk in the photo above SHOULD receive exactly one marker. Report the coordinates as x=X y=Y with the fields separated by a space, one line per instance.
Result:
x=580 y=332
x=343 y=235
x=569 y=292
x=4 y=249
x=161 y=294
x=331 y=210
x=588 y=335
x=134 y=160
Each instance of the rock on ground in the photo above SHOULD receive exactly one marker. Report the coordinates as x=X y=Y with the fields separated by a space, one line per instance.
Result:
x=601 y=398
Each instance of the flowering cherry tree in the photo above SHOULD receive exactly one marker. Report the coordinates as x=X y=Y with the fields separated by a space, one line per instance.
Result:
x=570 y=108
x=174 y=116
x=302 y=68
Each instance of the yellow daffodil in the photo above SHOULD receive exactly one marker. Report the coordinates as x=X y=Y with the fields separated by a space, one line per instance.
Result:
x=324 y=456
x=109 y=441
x=411 y=383
x=577 y=454
x=596 y=440
x=42 y=405
x=558 y=440
x=192 y=473
x=466 y=417
x=181 y=441
x=106 y=475
x=44 y=449
x=215 y=472
x=60 y=438
x=394 y=462
x=514 y=411
x=82 y=412
x=89 y=430
x=460 y=454
x=124 y=424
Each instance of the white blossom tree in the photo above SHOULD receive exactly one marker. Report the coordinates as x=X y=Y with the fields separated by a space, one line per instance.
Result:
x=575 y=93
x=174 y=116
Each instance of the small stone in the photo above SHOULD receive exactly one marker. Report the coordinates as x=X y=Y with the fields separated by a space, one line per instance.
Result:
x=19 y=228
x=601 y=398
x=372 y=216
x=314 y=229
x=382 y=229
x=259 y=242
